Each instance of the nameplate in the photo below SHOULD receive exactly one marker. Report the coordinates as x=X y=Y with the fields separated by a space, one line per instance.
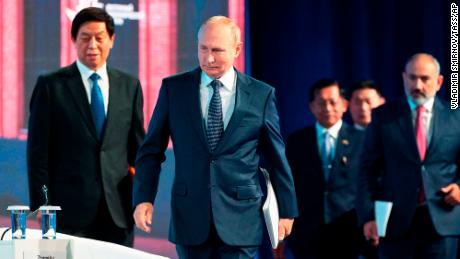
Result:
x=45 y=255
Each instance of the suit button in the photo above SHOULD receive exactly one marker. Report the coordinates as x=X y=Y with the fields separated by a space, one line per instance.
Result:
x=213 y=161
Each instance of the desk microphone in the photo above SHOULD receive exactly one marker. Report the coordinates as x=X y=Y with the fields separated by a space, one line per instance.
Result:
x=45 y=194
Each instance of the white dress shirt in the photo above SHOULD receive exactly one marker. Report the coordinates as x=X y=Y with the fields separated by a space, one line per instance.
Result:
x=333 y=132
x=103 y=81
x=427 y=116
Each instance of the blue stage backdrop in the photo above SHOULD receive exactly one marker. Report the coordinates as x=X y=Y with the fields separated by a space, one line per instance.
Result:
x=295 y=43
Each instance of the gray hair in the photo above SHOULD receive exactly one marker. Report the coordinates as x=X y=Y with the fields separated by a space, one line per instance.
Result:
x=235 y=30
x=420 y=55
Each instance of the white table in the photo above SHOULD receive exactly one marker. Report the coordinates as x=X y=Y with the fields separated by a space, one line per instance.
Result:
x=85 y=248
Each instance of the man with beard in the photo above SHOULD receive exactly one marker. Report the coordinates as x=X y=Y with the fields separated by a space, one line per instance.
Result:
x=413 y=146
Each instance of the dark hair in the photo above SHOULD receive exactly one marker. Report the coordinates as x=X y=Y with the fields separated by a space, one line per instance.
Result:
x=92 y=14
x=323 y=83
x=364 y=84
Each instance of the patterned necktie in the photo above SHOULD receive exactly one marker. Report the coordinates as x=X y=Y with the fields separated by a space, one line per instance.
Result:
x=420 y=135
x=215 y=122
x=97 y=105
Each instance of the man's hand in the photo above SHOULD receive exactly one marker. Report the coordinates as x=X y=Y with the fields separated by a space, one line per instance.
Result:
x=143 y=216
x=370 y=232
x=452 y=192
x=284 y=228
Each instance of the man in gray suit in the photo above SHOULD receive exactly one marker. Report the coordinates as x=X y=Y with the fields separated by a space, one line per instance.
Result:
x=219 y=121
x=85 y=126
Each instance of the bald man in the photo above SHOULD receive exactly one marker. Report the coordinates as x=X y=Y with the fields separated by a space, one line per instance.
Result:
x=413 y=146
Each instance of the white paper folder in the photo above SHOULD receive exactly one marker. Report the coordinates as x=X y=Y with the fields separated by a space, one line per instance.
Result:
x=270 y=210
x=382 y=215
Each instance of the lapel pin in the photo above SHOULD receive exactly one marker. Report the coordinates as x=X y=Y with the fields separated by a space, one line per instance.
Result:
x=344 y=160
x=345 y=142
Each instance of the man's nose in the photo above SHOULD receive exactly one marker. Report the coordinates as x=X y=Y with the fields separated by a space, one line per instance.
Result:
x=210 y=59
x=92 y=43
x=418 y=83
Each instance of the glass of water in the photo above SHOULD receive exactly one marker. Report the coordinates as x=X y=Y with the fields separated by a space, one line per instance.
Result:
x=18 y=221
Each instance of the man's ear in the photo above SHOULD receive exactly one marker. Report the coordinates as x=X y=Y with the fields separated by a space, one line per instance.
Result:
x=239 y=47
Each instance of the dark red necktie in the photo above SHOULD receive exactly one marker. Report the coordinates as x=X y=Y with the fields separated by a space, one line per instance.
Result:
x=420 y=135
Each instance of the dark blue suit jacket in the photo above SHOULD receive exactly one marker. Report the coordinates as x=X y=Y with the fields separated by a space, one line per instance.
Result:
x=64 y=152
x=311 y=188
x=391 y=153
x=220 y=187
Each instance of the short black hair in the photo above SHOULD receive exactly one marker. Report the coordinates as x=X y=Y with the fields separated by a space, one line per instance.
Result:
x=323 y=83
x=92 y=14
x=363 y=84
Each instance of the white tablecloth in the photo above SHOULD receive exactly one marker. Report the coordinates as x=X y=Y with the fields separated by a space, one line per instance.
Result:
x=91 y=249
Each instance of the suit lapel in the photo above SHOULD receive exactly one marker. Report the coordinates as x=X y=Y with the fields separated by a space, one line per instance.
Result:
x=316 y=161
x=80 y=98
x=343 y=142
x=407 y=130
x=115 y=98
x=436 y=120
x=242 y=102
x=192 y=95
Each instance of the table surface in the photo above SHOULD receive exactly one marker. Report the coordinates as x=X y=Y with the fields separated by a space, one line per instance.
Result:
x=90 y=248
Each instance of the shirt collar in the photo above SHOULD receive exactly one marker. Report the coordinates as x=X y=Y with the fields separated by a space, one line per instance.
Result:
x=359 y=127
x=86 y=72
x=428 y=104
x=333 y=131
x=227 y=79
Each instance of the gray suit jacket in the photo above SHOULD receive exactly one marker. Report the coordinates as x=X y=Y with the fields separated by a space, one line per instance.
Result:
x=391 y=154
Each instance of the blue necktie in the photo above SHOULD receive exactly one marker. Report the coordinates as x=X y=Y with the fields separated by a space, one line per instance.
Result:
x=97 y=105
x=215 y=122
x=326 y=151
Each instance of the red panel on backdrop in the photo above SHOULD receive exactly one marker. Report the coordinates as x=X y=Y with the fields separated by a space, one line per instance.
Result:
x=157 y=48
x=236 y=12
x=68 y=54
x=157 y=52
x=11 y=67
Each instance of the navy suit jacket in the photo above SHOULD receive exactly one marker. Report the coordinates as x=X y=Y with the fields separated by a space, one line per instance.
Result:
x=65 y=154
x=220 y=187
x=391 y=153
x=340 y=191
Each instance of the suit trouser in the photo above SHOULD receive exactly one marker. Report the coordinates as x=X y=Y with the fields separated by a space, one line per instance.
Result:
x=214 y=248
x=422 y=241
x=103 y=228
x=339 y=239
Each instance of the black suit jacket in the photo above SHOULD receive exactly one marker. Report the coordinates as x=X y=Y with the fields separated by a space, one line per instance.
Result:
x=64 y=153
x=311 y=188
x=221 y=187
x=390 y=153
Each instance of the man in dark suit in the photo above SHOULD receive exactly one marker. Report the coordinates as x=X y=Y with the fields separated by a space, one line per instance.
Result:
x=324 y=159
x=85 y=126
x=413 y=146
x=364 y=96
x=217 y=136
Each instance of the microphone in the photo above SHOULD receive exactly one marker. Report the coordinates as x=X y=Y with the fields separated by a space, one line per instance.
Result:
x=45 y=194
